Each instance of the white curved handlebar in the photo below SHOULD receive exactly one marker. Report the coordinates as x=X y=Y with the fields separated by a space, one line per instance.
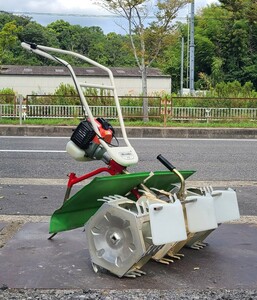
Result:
x=121 y=157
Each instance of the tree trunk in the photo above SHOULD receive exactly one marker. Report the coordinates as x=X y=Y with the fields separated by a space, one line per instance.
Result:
x=145 y=98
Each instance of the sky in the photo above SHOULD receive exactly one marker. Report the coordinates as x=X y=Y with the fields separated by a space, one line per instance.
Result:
x=77 y=12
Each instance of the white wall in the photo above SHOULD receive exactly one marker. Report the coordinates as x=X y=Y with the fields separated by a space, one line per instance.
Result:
x=26 y=85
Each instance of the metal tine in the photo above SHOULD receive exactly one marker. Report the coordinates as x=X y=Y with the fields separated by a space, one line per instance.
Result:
x=150 y=249
x=102 y=200
x=195 y=247
x=144 y=206
x=141 y=272
x=202 y=244
x=139 y=212
x=180 y=254
x=111 y=198
x=199 y=245
x=120 y=197
x=107 y=198
x=130 y=276
x=115 y=197
x=205 y=190
x=163 y=261
x=136 y=273
x=208 y=189
x=175 y=197
x=177 y=256
x=166 y=261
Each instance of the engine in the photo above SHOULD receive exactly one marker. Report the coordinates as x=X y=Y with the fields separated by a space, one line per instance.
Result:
x=85 y=145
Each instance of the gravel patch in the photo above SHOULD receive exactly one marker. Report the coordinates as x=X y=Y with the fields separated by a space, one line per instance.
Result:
x=223 y=294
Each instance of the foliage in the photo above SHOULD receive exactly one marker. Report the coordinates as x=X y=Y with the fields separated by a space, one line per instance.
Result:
x=146 y=41
x=7 y=96
x=137 y=123
x=210 y=102
x=111 y=49
x=225 y=43
x=7 y=91
x=8 y=38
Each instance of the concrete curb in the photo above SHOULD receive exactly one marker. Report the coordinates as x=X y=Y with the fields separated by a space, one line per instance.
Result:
x=140 y=132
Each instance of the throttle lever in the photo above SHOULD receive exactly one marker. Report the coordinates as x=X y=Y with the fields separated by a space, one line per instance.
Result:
x=181 y=193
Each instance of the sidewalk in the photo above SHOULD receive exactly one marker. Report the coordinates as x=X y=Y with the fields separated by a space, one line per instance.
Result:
x=140 y=132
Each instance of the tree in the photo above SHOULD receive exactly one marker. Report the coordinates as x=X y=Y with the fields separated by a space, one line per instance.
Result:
x=118 y=52
x=69 y=36
x=36 y=33
x=231 y=30
x=8 y=38
x=146 y=42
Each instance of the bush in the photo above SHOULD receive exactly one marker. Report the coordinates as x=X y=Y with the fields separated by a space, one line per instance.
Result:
x=7 y=96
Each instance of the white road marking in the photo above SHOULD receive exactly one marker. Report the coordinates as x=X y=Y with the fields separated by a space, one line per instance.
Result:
x=134 y=138
x=32 y=151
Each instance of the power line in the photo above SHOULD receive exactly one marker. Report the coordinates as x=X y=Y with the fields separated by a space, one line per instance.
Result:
x=68 y=14
x=110 y=16
x=76 y=15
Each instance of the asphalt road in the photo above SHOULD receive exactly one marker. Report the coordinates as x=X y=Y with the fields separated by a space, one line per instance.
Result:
x=33 y=169
x=40 y=157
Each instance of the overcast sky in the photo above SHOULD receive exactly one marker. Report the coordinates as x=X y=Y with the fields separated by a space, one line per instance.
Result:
x=90 y=14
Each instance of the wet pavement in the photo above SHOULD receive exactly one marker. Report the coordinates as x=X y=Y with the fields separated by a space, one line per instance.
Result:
x=29 y=260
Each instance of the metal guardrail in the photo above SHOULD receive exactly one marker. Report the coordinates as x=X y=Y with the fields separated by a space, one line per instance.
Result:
x=175 y=113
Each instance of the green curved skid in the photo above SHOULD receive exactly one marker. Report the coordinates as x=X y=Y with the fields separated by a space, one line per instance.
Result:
x=76 y=211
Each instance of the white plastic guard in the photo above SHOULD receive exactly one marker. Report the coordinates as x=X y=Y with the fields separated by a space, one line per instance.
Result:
x=167 y=223
x=226 y=205
x=201 y=213
x=125 y=156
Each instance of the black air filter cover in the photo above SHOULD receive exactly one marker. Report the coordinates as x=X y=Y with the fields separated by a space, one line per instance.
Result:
x=83 y=135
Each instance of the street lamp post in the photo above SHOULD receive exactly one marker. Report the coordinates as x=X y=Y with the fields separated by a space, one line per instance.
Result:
x=192 y=50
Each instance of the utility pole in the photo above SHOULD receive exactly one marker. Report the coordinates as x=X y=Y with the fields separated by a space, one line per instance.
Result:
x=192 y=49
x=182 y=67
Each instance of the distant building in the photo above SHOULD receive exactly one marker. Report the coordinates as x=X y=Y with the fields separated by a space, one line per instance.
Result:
x=41 y=80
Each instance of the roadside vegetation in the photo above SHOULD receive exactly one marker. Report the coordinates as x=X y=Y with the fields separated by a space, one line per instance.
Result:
x=75 y=121
x=225 y=60
x=225 y=44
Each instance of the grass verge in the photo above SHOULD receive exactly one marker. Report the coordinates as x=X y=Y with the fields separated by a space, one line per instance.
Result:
x=74 y=122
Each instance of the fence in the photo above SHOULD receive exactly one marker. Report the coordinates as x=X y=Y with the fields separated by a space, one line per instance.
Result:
x=71 y=111
x=157 y=109
x=201 y=113
x=131 y=112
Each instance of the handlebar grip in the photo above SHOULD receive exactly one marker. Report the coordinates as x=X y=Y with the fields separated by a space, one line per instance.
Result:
x=29 y=46
x=33 y=45
x=165 y=162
